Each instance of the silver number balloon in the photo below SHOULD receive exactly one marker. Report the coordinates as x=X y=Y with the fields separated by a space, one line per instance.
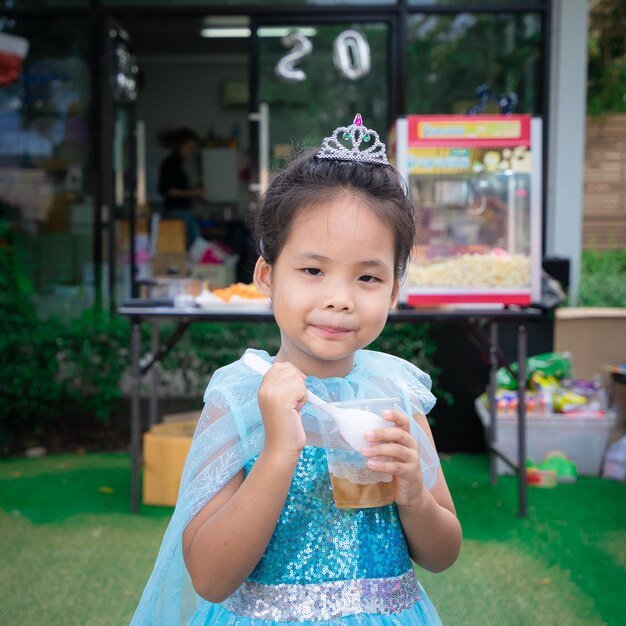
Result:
x=301 y=47
x=351 y=54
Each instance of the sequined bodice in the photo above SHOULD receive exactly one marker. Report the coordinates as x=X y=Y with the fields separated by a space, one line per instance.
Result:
x=315 y=542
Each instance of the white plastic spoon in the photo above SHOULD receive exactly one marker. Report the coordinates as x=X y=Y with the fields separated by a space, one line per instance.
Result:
x=352 y=423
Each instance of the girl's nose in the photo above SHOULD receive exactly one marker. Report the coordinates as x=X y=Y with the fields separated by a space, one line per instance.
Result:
x=339 y=299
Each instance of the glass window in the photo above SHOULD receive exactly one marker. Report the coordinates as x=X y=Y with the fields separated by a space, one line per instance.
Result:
x=474 y=4
x=327 y=94
x=44 y=157
x=461 y=61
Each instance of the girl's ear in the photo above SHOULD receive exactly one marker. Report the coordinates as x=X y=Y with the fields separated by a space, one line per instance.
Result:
x=263 y=277
x=394 y=295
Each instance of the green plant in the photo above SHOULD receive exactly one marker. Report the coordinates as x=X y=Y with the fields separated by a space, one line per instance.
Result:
x=603 y=278
x=209 y=346
x=607 y=58
x=413 y=343
x=93 y=353
x=28 y=366
x=206 y=347
x=51 y=375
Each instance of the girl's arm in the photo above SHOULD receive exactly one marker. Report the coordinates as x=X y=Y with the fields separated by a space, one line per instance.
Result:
x=223 y=543
x=431 y=528
x=226 y=539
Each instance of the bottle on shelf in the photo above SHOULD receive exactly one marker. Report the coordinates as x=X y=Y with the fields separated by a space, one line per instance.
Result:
x=233 y=140
x=211 y=140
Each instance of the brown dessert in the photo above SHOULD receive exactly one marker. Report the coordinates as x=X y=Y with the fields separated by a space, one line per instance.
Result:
x=349 y=495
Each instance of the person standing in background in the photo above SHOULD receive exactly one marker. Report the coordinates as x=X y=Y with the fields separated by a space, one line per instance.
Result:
x=174 y=184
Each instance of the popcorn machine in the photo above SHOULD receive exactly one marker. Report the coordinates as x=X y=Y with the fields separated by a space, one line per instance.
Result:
x=476 y=183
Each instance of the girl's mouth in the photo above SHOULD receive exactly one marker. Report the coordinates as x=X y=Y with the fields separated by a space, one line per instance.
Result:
x=334 y=332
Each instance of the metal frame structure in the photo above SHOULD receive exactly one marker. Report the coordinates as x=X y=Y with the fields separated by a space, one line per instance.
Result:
x=481 y=326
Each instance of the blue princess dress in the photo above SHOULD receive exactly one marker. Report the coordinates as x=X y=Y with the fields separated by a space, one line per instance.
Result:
x=323 y=565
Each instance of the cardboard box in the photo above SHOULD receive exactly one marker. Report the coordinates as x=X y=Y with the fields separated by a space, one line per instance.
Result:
x=583 y=437
x=217 y=274
x=169 y=264
x=187 y=416
x=171 y=236
x=165 y=448
x=595 y=337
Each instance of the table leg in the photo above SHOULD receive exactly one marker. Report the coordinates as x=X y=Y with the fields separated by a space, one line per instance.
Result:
x=521 y=418
x=135 y=425
x=610 y=403
x=154 y=378
x=493 y=361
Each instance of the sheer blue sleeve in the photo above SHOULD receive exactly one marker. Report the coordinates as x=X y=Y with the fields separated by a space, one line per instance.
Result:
x=395 y=377
x=229 y=433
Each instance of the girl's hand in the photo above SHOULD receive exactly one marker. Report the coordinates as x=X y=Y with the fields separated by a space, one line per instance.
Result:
x=397 y=443
x=281 y=396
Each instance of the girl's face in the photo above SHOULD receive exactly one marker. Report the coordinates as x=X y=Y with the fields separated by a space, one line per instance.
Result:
x=331 y=286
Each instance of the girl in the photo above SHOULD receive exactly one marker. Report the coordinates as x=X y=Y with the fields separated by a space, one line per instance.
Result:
x=255 y=539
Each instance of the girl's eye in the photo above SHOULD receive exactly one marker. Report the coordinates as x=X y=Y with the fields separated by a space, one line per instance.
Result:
x=312 y=271
x=368 y=278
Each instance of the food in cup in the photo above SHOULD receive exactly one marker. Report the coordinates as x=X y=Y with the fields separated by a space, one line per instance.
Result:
x=353 y=491
x=354 y=484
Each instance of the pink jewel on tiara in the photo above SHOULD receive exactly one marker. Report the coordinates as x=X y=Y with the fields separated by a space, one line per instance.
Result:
x=356 y=134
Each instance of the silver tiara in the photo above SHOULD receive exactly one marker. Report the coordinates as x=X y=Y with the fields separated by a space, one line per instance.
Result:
x=356 y=133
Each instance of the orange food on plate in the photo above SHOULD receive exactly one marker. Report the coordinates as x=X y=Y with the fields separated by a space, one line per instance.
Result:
x=242 y=290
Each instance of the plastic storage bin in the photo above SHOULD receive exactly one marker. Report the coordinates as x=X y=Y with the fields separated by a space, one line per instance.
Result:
x=583 y=437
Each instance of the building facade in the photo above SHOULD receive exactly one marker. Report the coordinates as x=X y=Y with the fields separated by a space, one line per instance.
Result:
x=101 y=82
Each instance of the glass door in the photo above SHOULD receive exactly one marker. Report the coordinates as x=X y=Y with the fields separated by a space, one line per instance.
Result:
x=307 y=78
x=121 y=234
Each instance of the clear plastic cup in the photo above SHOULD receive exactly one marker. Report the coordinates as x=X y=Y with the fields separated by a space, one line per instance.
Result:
x=354 y=484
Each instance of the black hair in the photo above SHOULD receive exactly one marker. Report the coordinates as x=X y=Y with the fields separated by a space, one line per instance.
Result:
x=309 y=181
x=174 y=138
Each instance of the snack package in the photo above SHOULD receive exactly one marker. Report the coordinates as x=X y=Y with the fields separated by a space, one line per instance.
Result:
x=565 y=401
x=555 y=364
x=507 y=402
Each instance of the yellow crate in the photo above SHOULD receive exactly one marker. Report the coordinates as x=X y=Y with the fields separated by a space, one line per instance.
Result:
x=165 y=448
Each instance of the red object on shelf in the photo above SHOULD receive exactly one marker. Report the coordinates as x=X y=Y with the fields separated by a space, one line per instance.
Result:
x=12 y=52
x=522 y=299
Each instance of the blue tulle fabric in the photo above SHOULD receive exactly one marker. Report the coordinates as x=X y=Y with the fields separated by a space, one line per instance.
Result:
x=313 y=541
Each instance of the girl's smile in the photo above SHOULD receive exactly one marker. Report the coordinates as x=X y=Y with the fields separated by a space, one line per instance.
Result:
x=331 y=332
x=331 y=286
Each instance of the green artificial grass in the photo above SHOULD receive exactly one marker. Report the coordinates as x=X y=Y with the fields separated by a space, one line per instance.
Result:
x=564 y=564
x=73 y=554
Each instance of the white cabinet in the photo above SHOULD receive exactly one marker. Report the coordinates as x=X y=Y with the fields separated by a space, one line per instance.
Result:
x=220 y=174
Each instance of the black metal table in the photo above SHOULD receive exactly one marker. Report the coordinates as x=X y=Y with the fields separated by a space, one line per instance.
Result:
x=481 y=325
